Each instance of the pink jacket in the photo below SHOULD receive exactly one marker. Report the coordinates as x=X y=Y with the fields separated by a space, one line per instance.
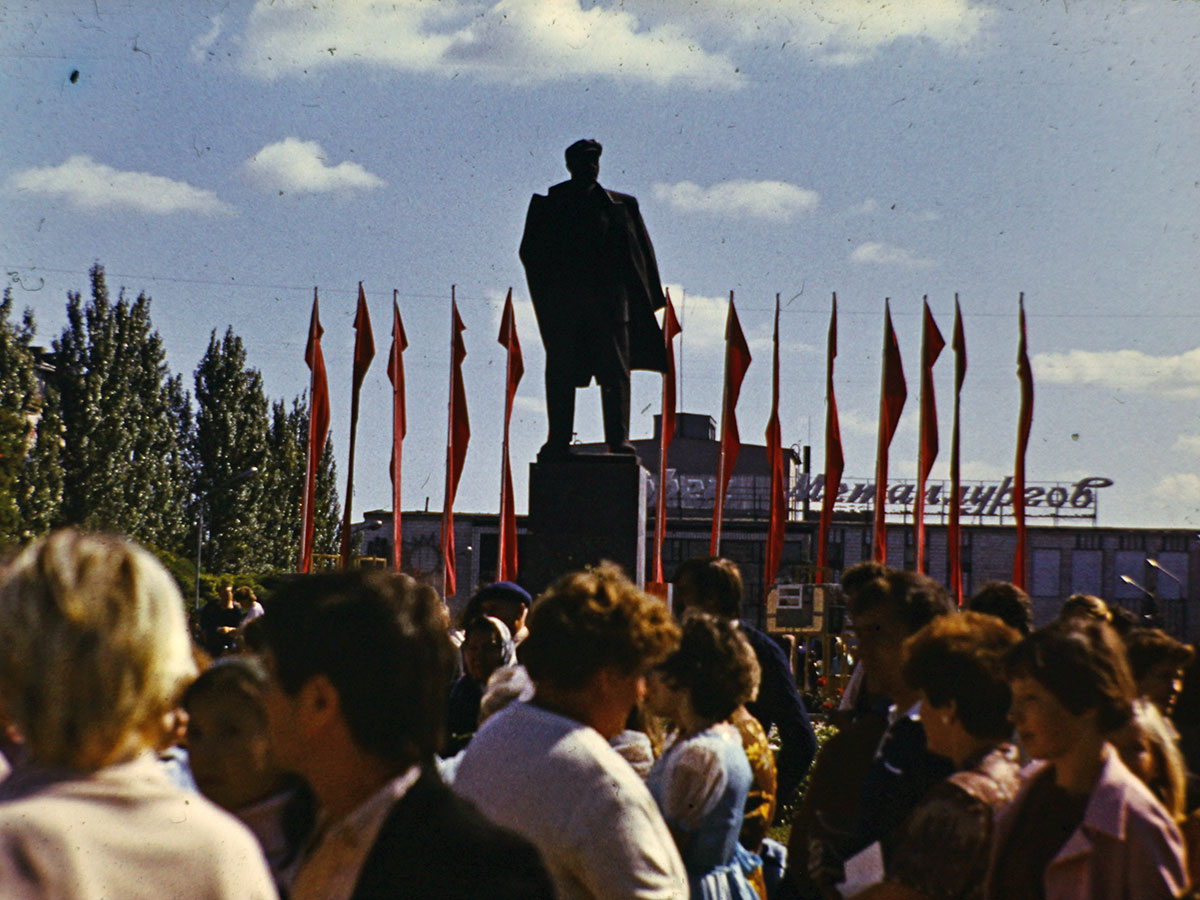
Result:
x=1127 y=847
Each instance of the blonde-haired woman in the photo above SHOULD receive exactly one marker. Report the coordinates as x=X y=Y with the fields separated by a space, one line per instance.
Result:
x=94 y=653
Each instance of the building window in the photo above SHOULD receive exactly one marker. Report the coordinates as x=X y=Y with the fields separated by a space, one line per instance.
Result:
x=1087 y=572
x=1045 y=582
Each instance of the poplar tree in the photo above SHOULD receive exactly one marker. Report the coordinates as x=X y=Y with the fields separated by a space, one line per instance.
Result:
x=231 y=442
x=30 y=434
x=284 y=486
x=123 y=469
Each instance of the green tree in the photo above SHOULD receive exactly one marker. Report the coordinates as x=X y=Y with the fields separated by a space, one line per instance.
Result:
x=123 y=467
x=30 y=434
x=283 y=482
x=231 y=441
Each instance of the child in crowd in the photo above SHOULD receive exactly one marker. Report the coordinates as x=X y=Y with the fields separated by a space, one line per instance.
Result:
x=232 y=762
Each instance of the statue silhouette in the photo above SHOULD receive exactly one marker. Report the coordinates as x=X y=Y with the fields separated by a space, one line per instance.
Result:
x=595 y=287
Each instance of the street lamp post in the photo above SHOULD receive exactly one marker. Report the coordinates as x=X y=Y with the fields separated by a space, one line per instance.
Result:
x=245 y=475
x=1149 y=604
x=1182 y=593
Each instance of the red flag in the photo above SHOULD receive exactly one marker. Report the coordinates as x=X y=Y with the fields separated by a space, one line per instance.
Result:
x=395 y=372
x=364 y=352
x=778 y=510
x=666 y=433
x=318 y=431
x=954 y=529
x=506 y=566
x=834 y=461
x=892 y=393
x=457 y=437
x=932 y=345
x=737 y=361
x=1024 y=423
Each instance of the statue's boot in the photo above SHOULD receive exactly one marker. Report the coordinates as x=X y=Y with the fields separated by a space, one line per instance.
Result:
x=614 y=400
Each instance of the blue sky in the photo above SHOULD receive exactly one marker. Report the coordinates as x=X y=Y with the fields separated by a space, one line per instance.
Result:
x=227 y=157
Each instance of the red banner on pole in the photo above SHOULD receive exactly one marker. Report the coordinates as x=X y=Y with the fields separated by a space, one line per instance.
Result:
x=954 y=529
x=506 y=564
x=364 y=352
x=1024 y=424
x=932 y=345
x=893 y=392
x=318 y=431
x=458 y=435
x=666 y=433
x=395 y=372
x=777 y=521
x=834 y=461
x=737 y=361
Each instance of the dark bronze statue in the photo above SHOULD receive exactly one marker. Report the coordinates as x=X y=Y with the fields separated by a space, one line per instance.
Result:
x=595 y=287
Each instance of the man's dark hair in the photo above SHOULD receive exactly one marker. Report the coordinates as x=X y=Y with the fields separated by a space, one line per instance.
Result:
x=1082 y=662
x=860 y=574
x=715 y=585
x=915 y=599
x=1147 y=647
x=381 y=641
x=1006 y=602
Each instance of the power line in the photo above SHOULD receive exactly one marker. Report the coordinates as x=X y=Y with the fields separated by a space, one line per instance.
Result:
x=11 y=269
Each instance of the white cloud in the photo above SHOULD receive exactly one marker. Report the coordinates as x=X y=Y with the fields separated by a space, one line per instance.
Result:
x=90 y=185
x=775 y=201
x=1188 y=443
x=865 y=208
x=702 y=318
x=199 y=48
x=840 y=32
x=299 y=167
x=1178 y=489
x=514 y=41
x=886 y=255
x=1122 y=370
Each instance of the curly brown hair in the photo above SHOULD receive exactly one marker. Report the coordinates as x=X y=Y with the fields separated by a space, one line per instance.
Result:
x=590 y=620
x=715 y=664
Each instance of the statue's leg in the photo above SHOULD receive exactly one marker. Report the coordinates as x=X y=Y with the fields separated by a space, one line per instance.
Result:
x=560 y=410
x=614 y=399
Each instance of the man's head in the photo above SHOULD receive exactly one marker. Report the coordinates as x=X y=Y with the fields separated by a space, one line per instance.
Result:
x=244 y=597
x=505 y=601
x=373 y=644
x=583 y=161
x=710 y=584
x=886 y=610
x=592 y=637
x=1006 y=602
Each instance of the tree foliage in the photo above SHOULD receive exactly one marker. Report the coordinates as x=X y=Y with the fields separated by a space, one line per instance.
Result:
x=231 y=444
x=124 y=469
x=284 y=484
x=30 y=434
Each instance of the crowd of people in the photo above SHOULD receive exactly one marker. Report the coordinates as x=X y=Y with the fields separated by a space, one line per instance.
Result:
x=350 y=743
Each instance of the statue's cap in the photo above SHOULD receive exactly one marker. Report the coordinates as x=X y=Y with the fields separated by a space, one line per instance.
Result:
x=584 y=148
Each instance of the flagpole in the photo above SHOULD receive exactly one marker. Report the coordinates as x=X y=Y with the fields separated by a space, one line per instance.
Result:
x=398 y=424
x=446 y=501
x=719 y=499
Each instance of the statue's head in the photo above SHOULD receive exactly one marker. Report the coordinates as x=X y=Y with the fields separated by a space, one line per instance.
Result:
x=583 y=160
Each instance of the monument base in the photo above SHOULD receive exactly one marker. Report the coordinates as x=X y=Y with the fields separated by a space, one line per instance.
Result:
x=581 y=512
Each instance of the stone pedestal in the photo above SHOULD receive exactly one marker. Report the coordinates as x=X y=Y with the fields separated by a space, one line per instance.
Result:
x=584 y=511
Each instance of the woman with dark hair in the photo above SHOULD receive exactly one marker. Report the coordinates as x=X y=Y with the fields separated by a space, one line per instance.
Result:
x=701 y=781
x=1082 y=825
x=941 y=850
